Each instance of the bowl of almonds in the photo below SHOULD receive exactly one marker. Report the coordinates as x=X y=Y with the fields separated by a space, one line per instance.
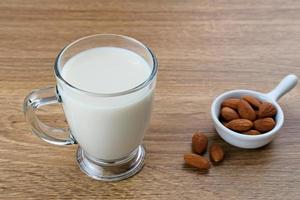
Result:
x=250 y=119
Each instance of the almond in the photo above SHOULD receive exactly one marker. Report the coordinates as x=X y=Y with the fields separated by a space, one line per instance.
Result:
x=199 y=143
x=252 y=101
x=196 y=161
x=240 y=125
x=229 y=114
x=216 y=153
x=266 y=109
x=246 y=111
x=252 y=132
x=231 y=103
x=264 y=125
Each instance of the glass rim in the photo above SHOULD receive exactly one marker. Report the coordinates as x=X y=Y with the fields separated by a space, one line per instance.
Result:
x=129 y=91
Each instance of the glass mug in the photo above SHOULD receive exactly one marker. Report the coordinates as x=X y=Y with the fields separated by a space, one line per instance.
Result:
x=108 y=127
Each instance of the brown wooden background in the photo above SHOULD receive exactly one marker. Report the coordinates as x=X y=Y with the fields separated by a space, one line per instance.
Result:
x=204 y=48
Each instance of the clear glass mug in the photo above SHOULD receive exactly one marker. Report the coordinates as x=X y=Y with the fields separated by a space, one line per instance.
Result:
x=109 y=133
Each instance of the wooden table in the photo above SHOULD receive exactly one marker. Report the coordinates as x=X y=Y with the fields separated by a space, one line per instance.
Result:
x=204 y=48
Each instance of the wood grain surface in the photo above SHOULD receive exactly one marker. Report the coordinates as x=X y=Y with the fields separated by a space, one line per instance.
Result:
x=204 y=48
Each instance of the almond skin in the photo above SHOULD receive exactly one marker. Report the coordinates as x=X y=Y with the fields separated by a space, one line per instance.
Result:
x=199 y=143
x=231 y=103
x=229 y=114
x=265 y=124
x=216 y=153
x=240 y=125
x=246 y=111
x=252 y=132
x=266 y=109
x=252 y=101
x=197 y=161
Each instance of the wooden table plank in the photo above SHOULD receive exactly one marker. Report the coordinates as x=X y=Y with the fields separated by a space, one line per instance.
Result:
x=204 y=48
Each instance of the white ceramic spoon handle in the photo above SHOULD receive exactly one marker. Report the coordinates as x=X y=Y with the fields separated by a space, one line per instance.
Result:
x=285 y=85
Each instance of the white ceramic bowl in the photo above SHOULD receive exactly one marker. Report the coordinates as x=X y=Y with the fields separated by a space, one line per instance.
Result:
x=253 y=141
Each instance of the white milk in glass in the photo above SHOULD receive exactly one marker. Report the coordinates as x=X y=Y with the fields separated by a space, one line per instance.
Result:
x=107 y=127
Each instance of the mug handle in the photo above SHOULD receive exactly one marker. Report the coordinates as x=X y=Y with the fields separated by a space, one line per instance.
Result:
x=37 y=99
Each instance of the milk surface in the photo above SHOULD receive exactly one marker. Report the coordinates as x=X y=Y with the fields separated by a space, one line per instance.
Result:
x=106 y=70
x=107 y=128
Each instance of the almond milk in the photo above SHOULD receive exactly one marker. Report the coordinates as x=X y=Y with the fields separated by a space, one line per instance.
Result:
x=107 y=128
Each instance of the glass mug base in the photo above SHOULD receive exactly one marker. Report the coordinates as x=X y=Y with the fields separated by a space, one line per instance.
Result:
x=111 y=171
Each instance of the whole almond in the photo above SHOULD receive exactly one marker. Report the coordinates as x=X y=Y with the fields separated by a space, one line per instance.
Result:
x=252 y=132
x=246 y=111
x=252 y=101
x=199 y=143
x=231 y=103
x=264 y=124
x=229 y=114
x=216 y=153
x=240 y=125
x=197 y=161
x=266 y=109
